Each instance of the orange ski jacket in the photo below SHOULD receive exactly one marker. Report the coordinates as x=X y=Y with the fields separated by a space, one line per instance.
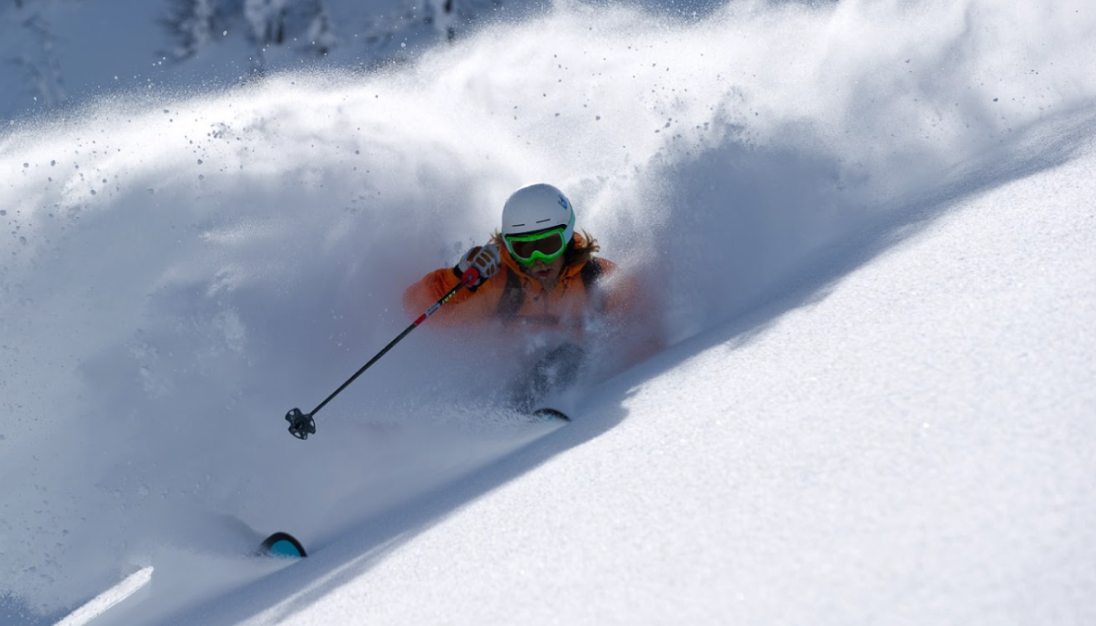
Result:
x=518 y=300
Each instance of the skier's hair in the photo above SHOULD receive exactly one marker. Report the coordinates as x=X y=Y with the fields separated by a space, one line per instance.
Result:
x=574 y=255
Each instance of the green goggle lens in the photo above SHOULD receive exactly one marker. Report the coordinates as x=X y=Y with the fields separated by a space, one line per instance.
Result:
x=546 y=246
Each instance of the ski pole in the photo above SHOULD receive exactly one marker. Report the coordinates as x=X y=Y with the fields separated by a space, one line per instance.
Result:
x=303 y=424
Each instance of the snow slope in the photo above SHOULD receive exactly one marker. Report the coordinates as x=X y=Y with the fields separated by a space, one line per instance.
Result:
x=869 y=226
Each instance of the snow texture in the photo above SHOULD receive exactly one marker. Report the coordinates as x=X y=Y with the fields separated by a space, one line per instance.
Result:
x=867 y=228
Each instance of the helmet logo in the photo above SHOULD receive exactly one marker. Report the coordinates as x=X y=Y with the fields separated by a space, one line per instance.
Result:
x=563 y=203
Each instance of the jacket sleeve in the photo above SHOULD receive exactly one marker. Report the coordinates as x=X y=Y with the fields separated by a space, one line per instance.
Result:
x=465 y=307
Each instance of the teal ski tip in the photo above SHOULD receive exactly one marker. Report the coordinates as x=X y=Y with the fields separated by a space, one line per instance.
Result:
x=547 y=415
x=283 y=546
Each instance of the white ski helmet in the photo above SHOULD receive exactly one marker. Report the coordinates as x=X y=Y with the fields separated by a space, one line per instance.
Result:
x=535 y=208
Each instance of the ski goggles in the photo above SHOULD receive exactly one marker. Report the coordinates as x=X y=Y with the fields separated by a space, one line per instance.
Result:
x=546 y=246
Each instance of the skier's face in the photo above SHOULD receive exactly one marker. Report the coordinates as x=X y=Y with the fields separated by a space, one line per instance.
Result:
x=546 y=273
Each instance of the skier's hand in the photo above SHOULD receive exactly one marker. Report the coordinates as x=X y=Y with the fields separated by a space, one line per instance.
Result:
x=483 y=260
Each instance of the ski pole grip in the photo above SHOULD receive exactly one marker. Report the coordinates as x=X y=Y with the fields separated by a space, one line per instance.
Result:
x=470 y=277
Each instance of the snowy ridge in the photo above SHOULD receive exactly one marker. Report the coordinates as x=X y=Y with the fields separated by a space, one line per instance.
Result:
x=869 y=226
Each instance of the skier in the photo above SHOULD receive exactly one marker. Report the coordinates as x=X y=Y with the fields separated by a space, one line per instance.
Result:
x=536 y=275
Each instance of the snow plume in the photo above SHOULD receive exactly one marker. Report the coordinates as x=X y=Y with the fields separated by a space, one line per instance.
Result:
x=177 y=272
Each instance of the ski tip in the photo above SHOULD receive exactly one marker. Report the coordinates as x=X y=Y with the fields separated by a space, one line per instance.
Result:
x=282 y=545
x=547 y=414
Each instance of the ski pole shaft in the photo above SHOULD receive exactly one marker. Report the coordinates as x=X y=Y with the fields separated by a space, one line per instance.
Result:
x=303 y=424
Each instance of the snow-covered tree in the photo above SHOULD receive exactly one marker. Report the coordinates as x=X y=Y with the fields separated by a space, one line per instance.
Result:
x=193 y=24
x=426 y=19
x=267 y=20
x=280 y=22
x=303 y=24
x=38 y=56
